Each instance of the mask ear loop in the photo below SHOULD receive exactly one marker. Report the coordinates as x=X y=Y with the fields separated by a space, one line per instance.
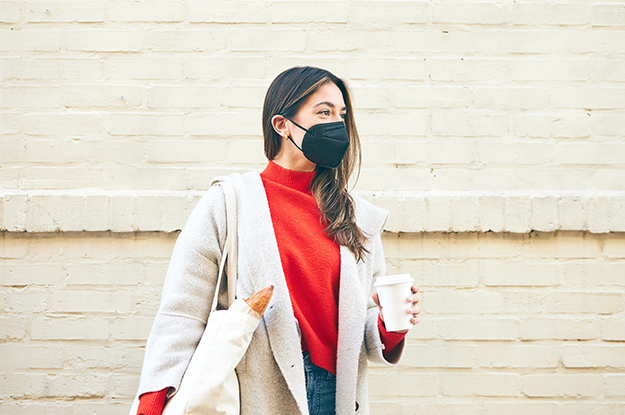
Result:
x=289 y=137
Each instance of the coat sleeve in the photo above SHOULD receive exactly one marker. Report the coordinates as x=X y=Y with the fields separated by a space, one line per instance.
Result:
x=187 y=295
x=373 y=342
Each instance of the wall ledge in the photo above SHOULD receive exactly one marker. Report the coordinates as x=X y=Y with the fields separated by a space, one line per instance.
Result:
x=461 y=211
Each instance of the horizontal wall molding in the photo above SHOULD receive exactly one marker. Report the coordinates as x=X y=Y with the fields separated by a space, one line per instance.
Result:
x=474 y=211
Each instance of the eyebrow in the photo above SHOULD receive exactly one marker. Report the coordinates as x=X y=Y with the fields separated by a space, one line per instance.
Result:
x=329 y=104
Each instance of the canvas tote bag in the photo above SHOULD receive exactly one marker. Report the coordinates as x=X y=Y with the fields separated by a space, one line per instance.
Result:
x=210 y=385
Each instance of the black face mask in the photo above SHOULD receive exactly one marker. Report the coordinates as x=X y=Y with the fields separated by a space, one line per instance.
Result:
x=324 y=144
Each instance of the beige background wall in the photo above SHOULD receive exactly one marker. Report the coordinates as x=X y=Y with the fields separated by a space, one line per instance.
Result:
x=492 y=130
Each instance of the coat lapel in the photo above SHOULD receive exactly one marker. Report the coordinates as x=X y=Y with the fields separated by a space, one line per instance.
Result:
x=259 y=249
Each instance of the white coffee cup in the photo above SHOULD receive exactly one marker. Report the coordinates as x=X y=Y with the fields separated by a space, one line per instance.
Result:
x=393 y=290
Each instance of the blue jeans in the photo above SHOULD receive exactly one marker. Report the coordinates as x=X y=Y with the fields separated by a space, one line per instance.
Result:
x=320 y=388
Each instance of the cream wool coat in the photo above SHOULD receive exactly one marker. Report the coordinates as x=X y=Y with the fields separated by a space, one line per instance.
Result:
x=271 y=374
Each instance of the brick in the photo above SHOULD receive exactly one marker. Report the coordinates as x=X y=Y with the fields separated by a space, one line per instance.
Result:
x=609 y=125
x=124 y=385
x=22 y=151
x=438 y=213
x=72 y=69
x=520 y=408
x=227 y=12
x=9 y=11
x=510 y=98
x=545 y=213
x=92 y=301
x=513 y=41
x=186 y=97
x=608 y=15
x=219 y=124
x=607 y=70
x=480 y=385
x=593 y=274
x=584 y=41
x=65 y=11
x=491 y=215
x=374 y=124
x=585 y=302
x=610 y=179
x=410 y=152
x=145 y=124
x=131 y=328
x=593 y=356
x=463 y=123
x=532 y=125
x=14 y=207
x=247 y=152
x=515 y=356
x=431 y=40
x=77 y=385
x=462 y=70
x=539 y=178
x=21 y=356
x=246 y=97
x=542 y=14
x=617 y=210
x=22 y=385
x=283 y=40
x=323 y=40
x=12 y=328
x=10 y=68
x=13 y=274
x=425 y=331
x=163 y=11
x=103 y=96
x=583 y=408
x=590 y=98
x=383 y=384
x=571 y=213
x=62 y=124
x=549 y=70
x=498 y=154
x=460 y=302
x=430 y=97
x=104 y=40
x=143 y=68
x=438 y=357
x=465 y=214
x=614 y=385
x=386 y=68
x=464 y=179
x=591 y=153
x=613 y=329
x=14 y=245
x=371 y=13
x=39 y=40
x=471 y=13
x=394 y=179
x=161 y=213
x=598 y=214
x=30 y=97
x=164 y=151
x=370 y=98
x=112 y=274
x=499 y=245
x=575 y=245
x=477 y=328
x=521 y=275
x=310 y=12
x=518 y=213
x=70 y=328
x=569 y=385
x=222 y=68
x=466 y=275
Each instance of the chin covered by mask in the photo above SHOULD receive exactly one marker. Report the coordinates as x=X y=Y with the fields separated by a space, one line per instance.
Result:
x=324 y=144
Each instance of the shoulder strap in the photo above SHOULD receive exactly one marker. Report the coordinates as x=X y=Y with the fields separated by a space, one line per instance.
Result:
x=229 y=255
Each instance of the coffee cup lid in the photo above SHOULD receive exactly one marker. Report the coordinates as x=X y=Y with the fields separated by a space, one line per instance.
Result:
x=392 y=279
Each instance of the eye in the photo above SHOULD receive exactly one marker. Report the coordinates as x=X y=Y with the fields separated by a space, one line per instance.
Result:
x=344 y=115
x=325 y=112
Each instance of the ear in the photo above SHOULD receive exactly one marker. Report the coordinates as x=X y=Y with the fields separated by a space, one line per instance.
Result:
x=278 y=122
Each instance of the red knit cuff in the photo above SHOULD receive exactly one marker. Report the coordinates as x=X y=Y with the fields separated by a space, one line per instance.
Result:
x=390 y=339
x=152 y=403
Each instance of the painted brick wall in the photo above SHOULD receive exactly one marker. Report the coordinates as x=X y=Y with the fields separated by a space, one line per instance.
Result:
x=492 y=131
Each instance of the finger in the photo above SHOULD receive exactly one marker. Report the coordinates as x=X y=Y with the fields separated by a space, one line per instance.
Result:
x=415 y=320
x=415 y=298
x=415 y=288
x=376 y=299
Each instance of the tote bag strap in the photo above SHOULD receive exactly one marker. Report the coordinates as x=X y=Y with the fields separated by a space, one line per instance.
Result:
x=229 y=255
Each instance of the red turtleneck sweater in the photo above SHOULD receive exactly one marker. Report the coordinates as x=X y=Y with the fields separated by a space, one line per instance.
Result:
x=311 y=263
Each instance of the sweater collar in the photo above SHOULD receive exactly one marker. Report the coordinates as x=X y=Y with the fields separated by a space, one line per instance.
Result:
x=296 y=180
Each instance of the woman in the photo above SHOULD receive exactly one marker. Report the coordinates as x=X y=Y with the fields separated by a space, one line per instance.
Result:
x=301 y=231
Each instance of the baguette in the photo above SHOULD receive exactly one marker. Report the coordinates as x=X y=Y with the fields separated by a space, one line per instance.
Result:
x=260 y=300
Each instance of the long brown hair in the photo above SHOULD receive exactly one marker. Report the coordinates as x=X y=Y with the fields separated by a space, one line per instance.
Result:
x=285 y=96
